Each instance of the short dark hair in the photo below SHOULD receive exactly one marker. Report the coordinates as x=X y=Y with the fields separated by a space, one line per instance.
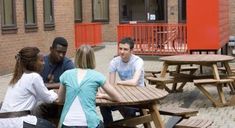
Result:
x=61 y=41
x=129 y=41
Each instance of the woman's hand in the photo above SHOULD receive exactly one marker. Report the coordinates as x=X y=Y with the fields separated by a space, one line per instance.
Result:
x=102 y=96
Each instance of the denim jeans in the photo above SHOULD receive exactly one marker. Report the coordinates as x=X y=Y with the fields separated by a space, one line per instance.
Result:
x=126 y=112
x=41 y=123
x=99 y=126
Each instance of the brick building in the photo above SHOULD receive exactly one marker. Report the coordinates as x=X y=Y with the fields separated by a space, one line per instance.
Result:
x=38 y=22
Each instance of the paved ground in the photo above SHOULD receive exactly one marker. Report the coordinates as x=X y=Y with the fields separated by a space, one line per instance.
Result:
x=191 y=97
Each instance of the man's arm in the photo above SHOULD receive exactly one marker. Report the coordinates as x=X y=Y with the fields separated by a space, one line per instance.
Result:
x=112 y=78
x=133 y=81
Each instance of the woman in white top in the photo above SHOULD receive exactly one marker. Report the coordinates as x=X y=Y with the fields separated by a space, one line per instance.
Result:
x=25 y=89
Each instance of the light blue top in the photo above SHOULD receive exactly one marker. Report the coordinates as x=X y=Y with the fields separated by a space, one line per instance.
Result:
x=126 y=70
x=86 y=93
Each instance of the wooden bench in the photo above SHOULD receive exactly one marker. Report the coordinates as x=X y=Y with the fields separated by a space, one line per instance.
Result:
x=219 y=84
x=178 y=111
x=212 y=81
x=194 y=123
x=183 y=69
x=151 y=77
x=184 y=113
x=222 y=69
x=161 y=82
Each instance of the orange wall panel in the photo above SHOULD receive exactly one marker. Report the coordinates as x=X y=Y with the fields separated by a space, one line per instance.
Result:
x=203 y=25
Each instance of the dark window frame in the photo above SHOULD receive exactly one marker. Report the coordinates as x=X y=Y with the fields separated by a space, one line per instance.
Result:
x=180 y=11
x=78 y=20
x=49 y=26
x=8 y=29
x=100 y=20
x=30 y=27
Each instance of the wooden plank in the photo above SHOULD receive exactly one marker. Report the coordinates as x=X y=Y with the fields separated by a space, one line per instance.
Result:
x=178 y=111
x=221 y=94
x=126 y=97
x=136 y=93
x=164 y=69
x=208 y=95
x=156 y=116
x=133 y=121
x=151 y=94
x=215 y=71
x=126 y=92
x=145 y=93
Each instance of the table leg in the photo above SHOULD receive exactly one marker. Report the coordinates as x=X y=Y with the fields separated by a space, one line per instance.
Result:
x=164 y=70
x=219 y=87
x=229 y=72
x=221 y=93
x=156 y=116
x=146 y=125
x=215 y=71
x=208 y=95
x=174 y=86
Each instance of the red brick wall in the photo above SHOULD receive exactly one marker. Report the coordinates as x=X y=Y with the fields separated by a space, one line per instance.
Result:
x=109 y=29
x=232 y=16
x=10 y=44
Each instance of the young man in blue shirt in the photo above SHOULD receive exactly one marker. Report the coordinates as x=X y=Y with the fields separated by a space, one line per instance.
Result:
x=130 y=69
x=56 y=62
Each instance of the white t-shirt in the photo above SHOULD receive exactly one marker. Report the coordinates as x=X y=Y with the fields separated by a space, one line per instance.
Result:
x=24 y=95
x=127 y=70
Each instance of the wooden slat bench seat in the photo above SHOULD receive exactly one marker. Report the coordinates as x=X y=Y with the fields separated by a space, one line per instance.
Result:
x=222 y=69
x=212 y=81
x=153 y=73
x=153 y=79
x=161 y=82
x=194 y=123
x=178 y=111
x=184 y=113
x=219 y=84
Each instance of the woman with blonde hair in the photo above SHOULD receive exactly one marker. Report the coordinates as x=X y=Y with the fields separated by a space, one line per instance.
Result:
x=26 y=88
x=79 y=92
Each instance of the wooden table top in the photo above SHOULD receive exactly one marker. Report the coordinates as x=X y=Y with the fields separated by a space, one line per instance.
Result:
x=134 y=95
x=196 y=59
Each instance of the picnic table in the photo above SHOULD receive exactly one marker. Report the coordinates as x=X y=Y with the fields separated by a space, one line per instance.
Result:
x=209 y=60
x=141 y=97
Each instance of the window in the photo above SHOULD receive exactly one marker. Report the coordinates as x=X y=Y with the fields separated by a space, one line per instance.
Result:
x=30 y=15
x=49 y=23
x=100 y=10
x=78 y=10
x=8 y=16
x=143 y=11
x=182 y=11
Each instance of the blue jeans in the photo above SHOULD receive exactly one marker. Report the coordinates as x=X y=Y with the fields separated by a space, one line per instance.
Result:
x=126 y=112
x=99 y=126
x=41 y=123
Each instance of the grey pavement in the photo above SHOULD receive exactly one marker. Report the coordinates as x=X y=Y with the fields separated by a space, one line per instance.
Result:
x=191 y=97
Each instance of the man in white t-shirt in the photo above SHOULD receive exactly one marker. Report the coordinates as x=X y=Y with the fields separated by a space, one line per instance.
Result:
x=130 y=69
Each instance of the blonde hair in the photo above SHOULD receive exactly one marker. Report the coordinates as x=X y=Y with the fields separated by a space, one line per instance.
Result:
x=85 y=57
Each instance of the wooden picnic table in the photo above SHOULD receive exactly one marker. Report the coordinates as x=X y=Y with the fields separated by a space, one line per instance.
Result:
x=210 y=60
x=141 y=97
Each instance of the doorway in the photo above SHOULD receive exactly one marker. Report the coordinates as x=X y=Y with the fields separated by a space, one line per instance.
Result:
x=143 y=11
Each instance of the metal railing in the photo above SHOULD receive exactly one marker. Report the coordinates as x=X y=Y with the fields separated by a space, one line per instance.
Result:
x=88 y=33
